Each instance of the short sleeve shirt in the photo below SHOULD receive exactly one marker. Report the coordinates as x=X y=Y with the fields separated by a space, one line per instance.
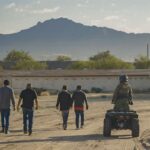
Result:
x=28 y=96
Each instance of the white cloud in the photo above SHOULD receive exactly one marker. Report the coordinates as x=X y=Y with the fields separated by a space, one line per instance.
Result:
x=11 y=5
x=38 y=11
x=113 y=4
x=46 y=10
x=111 y=18
x=38 y=2
x=80 y=5
x=86 y=1
x=83 y=4
x=148 y=19
x=96 y=22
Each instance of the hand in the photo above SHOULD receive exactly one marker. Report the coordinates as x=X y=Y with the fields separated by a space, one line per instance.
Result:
x=36 y=107
x=18 y=109
x=87 y=107
x=112 y=102
x=14 y=108
x=131 y=103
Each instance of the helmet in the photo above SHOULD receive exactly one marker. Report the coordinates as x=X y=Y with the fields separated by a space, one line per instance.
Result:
x=123 y=78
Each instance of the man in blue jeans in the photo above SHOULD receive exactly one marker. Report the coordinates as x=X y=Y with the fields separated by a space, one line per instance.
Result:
x=28 y=96
x=6 y=98
x=79 y=98
x=65 y=101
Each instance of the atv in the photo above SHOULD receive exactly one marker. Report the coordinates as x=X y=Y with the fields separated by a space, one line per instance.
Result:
x=121 y=120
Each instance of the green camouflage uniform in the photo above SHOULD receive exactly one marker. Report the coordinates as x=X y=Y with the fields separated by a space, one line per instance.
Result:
x=122 y=97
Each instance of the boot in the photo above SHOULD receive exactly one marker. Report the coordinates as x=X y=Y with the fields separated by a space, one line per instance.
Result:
x=3 y=130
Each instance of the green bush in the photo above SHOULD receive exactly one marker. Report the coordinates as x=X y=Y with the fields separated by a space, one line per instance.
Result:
x=96 y=90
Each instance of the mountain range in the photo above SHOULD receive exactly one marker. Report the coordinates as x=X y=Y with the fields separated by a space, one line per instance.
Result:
x=60 y=36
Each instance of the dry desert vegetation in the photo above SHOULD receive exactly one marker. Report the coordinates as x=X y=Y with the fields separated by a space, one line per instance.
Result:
x=49 y=135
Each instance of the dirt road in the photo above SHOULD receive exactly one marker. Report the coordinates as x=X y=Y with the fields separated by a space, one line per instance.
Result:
x=48 y=133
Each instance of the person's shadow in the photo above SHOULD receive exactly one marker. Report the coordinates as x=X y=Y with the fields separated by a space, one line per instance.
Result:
x=71 y=138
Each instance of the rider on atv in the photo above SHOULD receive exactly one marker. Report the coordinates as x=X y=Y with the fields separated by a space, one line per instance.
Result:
x=122 y=96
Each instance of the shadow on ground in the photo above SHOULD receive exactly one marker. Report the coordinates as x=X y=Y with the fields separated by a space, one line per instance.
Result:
x=72 y=138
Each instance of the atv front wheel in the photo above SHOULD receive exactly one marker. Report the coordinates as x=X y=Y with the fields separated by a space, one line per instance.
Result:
x=135 y=127
x=107 y=127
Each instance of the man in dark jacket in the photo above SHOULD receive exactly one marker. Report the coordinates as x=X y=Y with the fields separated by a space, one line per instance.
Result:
x=6 y=98
x=64 y=100
x=79 y=98
x=28 y=96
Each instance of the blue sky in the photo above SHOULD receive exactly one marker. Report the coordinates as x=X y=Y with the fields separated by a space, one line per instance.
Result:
x=124 y=15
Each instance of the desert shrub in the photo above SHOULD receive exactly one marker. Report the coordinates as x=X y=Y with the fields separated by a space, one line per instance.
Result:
x=39 y=90
x=96 y=90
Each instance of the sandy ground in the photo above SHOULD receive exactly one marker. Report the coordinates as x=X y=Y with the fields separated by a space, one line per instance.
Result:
x=48 y=133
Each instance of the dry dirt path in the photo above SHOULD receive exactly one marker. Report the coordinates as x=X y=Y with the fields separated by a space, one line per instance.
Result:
x=48 y=133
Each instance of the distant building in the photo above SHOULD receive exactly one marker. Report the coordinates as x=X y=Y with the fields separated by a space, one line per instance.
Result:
x=50 y=64
x=59 y=64
x=54 y=79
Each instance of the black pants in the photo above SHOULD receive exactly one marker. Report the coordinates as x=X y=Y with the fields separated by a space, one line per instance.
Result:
x=27 y=119
x=79 y=115
x=5 y=113
x=65 y=114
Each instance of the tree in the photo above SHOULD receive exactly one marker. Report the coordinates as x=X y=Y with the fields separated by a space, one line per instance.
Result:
x=101 y=55
x=16 y=56
x=63 y=58
x=142 y=62
x=21 y=60
x=103 y=60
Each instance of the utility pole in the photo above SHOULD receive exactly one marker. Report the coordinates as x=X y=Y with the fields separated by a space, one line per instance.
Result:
x=147 y=51
x=147 y=56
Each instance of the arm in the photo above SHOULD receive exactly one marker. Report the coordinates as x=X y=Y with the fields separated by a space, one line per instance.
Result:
x=36 y=101
x=85 y=99
x=130 y=96
x=19 y=103
x=36 y=104
x=71 y=101
x=58 y=101
x=13 y=99
x=115 y=95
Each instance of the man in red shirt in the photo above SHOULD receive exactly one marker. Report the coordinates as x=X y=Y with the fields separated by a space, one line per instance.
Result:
x=79 y=98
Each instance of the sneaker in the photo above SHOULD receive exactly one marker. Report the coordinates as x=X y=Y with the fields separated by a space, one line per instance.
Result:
x=65 y=127
x=6 y=131
x=30 y=132
x=3 y=130
x=25 y=132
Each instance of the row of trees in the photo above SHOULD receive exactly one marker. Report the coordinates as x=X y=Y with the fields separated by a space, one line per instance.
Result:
x=21 y=60
x=105 y=60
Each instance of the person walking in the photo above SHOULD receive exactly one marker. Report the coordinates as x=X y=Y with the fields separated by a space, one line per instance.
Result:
x=79 y=98
x=28 y=96
x=6 y=98
x=64 y=101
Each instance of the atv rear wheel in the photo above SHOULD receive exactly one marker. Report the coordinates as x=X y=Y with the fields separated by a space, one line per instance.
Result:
x=107 y=127
x=135 y=127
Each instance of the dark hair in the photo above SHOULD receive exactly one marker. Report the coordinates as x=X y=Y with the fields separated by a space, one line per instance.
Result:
x=78 y=87
x=64 y=87
x=28 y=85
x=6 y=82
